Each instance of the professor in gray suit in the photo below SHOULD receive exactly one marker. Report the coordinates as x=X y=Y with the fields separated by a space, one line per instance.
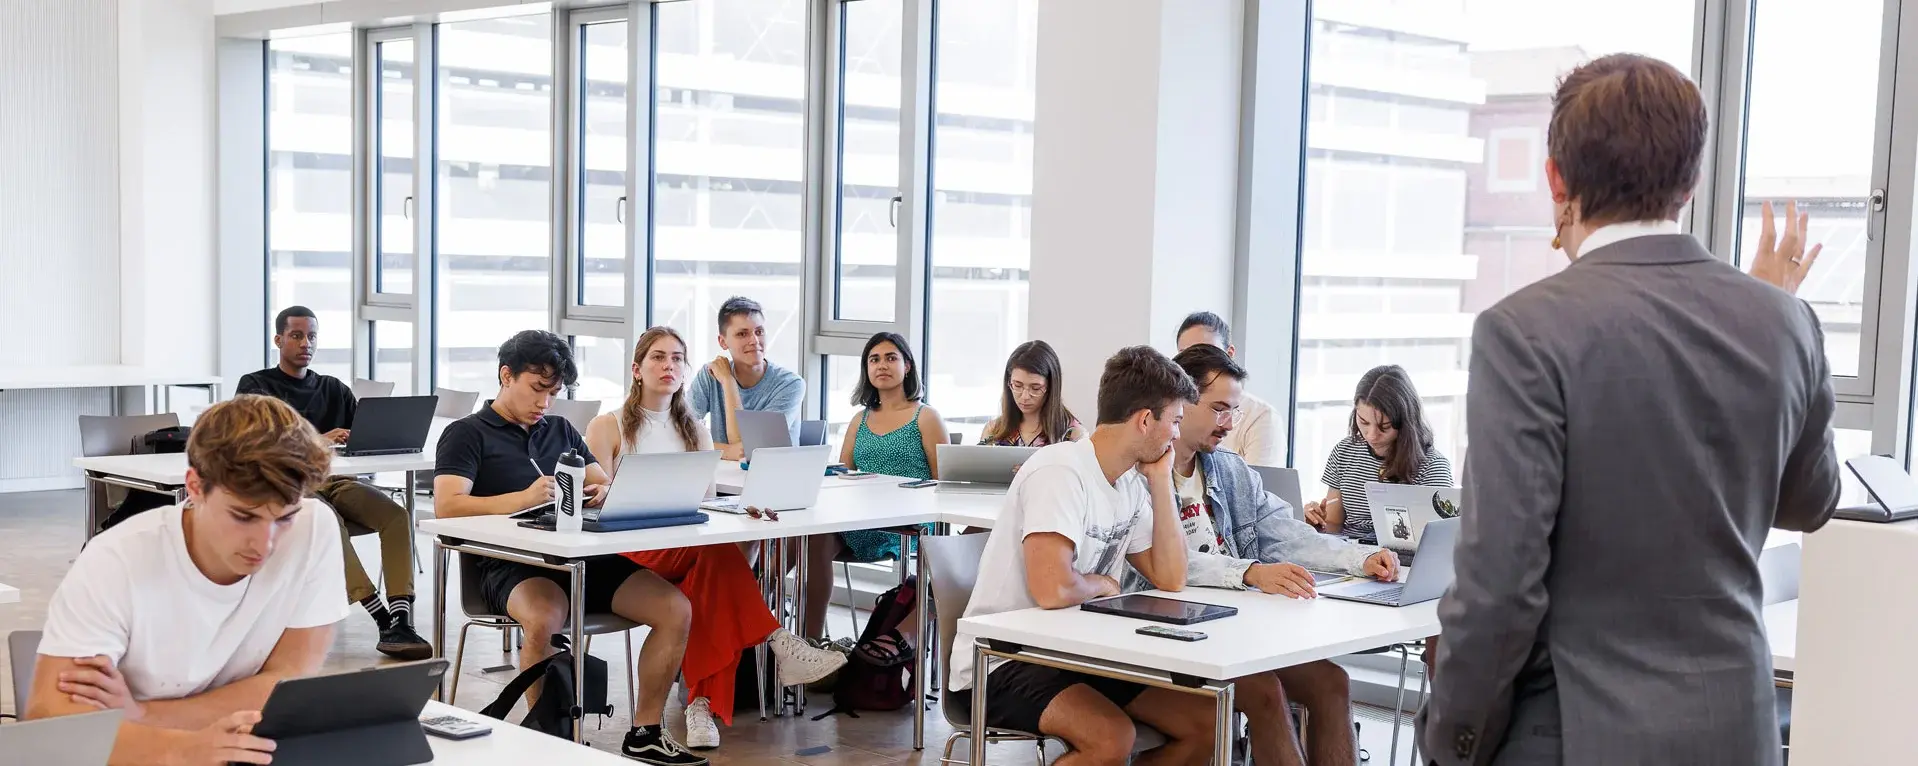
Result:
x=1636 y=424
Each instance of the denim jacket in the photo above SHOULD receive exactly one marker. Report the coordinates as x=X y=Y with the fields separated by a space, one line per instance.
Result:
x=1258 y=528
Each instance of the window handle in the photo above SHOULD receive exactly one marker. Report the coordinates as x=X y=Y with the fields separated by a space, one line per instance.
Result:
x=619 y=210
x=406 y=208
x=892 y=211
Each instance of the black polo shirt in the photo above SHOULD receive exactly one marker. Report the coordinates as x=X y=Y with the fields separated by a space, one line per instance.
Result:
x=493 y=454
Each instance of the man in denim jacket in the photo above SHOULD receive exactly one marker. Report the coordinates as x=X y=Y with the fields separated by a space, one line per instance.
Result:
x=1240 y=536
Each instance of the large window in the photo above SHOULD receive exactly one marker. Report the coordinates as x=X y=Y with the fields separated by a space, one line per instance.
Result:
x=494 y=197
x=983 y=98
x=1810 y=121
x=1425 y=201
x=605 y=370
x=600 y=195
x=310 y=191
x=730 y=151
x=867 y=253
x=393 y=137
x=393 y=357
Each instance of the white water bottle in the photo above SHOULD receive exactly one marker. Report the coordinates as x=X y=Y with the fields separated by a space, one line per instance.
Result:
x=569 y=479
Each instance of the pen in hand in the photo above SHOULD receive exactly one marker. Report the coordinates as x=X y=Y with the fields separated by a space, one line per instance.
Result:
x=536 y=468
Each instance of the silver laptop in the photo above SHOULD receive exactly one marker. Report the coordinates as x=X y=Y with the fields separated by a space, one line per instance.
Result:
x=1400 y=512
x=658 y=484
x=1425 y=581
x=762 y=429
x=1283 y=482
x=983 y=469
x=781 y=479
x=74 y=740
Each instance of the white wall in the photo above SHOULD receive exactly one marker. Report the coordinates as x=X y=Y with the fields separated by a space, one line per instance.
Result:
x=1134 y=176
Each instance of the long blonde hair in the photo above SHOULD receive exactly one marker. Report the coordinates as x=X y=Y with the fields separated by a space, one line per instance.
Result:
x=633 y=414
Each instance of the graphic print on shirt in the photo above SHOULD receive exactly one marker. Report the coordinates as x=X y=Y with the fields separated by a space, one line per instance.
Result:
x=1190 y=509
x=1106 y=544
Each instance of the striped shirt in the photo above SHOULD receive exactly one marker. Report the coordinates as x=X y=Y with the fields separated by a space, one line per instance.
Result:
x=1352 y=466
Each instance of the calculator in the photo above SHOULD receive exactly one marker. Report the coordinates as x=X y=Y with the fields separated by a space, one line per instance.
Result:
x=454 y=727
x=1167 y=631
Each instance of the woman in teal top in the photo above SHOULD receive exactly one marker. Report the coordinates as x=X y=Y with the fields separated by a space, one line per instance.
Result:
x=896 y=435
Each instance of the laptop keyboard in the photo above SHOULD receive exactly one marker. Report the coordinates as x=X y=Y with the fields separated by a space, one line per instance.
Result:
x=1387 y=596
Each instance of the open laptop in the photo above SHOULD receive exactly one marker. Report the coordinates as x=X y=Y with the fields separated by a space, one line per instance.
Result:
x=1284 y=482
x=1400 y=513
x=781 y=479
x=980 y=469
x=762 y=429
x=366 y=717
x=390 y=425
x=660 y=489
x=74 y=740
x=1424 y=582
x=1894 y=494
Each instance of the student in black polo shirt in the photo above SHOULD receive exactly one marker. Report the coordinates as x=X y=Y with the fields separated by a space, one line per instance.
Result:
x=486 y=468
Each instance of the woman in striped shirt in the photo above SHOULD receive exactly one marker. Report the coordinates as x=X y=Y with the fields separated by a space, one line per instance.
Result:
x=1390 y=442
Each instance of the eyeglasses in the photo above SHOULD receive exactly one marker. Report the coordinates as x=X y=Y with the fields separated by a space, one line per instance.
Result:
x=769 y=514
x=1020 y=389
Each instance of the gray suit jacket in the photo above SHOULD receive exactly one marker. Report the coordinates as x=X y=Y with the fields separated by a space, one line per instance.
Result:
x=1637 y=423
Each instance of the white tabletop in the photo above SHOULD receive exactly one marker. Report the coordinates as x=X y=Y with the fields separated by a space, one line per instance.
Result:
x=1781 y=629
x=170 y=470
x=730 y=479
x=1268 y=633
x=9 y=594
x=99 y=376
x=510 y=745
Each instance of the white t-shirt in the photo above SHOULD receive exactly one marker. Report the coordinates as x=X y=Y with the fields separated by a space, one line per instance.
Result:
x=135 y=596
x=1061 y=489
x=657 y=434
x=1195 y=516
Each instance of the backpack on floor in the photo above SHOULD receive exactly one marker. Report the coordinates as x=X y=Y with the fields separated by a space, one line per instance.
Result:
x=553 y=712
x=865 y=686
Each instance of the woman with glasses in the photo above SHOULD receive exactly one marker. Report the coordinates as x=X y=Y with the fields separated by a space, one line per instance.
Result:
x=1033 y=410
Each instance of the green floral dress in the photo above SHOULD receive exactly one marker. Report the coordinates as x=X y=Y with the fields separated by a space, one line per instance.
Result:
x=899 y=452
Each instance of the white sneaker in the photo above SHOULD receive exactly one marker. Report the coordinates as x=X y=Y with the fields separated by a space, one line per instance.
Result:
x=800 y=662
x=702 y=732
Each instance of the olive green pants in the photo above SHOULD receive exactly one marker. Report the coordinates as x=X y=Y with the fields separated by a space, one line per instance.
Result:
x=372 y=508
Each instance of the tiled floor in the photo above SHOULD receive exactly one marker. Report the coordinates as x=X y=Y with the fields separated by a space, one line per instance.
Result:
x=41 y=534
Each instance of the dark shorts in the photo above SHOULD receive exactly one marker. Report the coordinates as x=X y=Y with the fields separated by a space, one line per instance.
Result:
x=1017 y=693
x=604 y=575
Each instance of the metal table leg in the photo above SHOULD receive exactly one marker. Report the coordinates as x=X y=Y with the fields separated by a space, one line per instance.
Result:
x=577 y=569
x=799 y=606
x=779 y=606
x=440 y=559
x=412 y=517
x=978 y=704
x=927 y=653
x=1222 y=721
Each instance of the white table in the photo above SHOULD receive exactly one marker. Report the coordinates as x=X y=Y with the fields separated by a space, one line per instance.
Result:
x=510 y=745
x=9 y=594
x=1236 y=646
x=730 y=479
x=155 y=383
x=1781 y=629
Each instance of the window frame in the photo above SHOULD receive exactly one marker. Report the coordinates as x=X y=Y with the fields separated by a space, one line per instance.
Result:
x=370 y=305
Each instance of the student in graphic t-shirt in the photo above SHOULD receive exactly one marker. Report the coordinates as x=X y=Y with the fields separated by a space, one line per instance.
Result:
x=1240 y=536
x=329 y=405
x=185 y=617
x=1389 y=442
x=743 y=379
x=1076 y=515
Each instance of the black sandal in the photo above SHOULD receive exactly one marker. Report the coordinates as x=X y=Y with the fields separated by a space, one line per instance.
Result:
x=889 y=649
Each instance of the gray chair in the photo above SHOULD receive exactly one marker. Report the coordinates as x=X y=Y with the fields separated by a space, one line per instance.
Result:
x=478 y=615
x=812 y=433
x=1778 y=570
x=105 y=435
x=23 y=650
x=363 y=388
x=455 y=404
x=579 y=413
x=1284 y=482
x=955 y=437
x=950 y=564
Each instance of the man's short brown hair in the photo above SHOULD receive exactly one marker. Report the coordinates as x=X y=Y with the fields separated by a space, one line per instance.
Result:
x=1627 y=136
x=259 y=449
x=1141 y=378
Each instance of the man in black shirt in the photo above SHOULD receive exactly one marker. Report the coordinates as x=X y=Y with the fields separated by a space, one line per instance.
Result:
x=500 y=461
x=329 y=405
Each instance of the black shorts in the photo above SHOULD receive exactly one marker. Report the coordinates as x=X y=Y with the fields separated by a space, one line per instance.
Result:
x=604 y=575
x=1017 y=693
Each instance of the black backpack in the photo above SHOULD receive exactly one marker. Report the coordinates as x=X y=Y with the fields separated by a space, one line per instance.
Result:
x=865 y=686
x=553 y=712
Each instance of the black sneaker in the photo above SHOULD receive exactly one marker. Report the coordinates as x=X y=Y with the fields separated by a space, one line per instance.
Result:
x=658 y=748
x=401 y=643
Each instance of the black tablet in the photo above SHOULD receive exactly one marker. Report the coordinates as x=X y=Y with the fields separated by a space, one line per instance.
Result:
x=367 y=717
x=1172 y=611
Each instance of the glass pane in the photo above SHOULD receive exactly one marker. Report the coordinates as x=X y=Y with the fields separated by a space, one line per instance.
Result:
x=604 y=370
x=981 y=200
x=1426 y=199
x=495 y=192
x=867 y=262
x=393 y=357
x=601 y=269
x=309 y=191
x=1813 y=109
x=727 y=204
x=393 y=114
x=842 y=375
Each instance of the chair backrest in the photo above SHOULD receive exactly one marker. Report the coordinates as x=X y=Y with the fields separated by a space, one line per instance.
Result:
x=104 y=435
x=23 y=649
x=455 y=404
x=951 y=564
x=1283 y=482
x=578 y=412
x=1778 y=572
x=363 y=388
x=472 y=599
x=955 y=437
x=812 y=433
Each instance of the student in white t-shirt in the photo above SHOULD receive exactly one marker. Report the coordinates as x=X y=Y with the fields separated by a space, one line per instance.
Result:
x=1076 y=515
x=185 y=617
